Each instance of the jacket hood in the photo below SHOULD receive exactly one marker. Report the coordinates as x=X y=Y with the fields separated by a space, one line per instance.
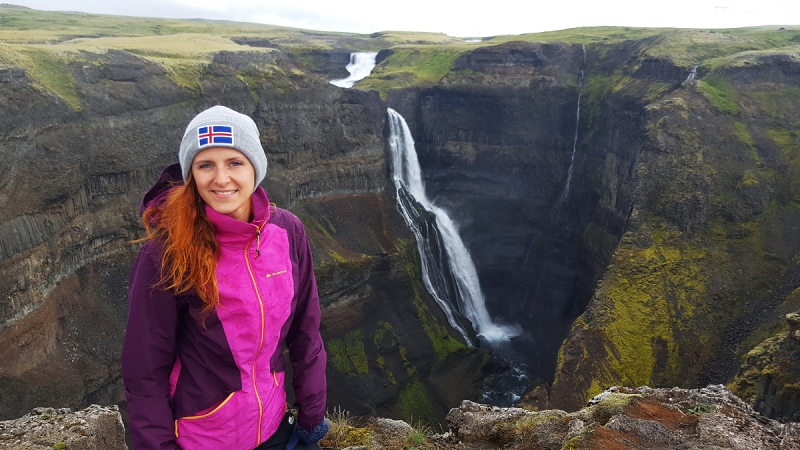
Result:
x=170 y=177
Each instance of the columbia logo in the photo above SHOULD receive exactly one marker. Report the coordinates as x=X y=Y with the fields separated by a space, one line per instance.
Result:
x=274 y=274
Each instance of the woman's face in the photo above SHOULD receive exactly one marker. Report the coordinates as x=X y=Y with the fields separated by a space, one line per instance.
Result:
x=225 y=179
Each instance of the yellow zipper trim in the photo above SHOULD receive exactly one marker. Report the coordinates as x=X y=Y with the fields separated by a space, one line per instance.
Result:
x=204 y=415
x=261 y=342
x=275 y=377
x=210 y=412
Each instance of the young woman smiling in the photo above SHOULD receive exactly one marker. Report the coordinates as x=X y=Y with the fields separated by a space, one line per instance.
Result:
x=223 y=281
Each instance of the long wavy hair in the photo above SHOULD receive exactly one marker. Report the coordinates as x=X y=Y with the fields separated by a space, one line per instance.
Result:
x=191 y=249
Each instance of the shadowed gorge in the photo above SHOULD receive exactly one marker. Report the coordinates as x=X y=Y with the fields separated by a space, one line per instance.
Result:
x=673 y=260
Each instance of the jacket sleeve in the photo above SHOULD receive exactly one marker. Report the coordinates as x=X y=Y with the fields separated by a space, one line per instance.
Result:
x=148 y=355
x=306 y=351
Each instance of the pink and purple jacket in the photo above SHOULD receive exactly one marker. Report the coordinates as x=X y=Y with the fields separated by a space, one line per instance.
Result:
x=217 y=382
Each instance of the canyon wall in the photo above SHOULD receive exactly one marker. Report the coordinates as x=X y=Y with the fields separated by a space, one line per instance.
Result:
x=649 y=239
x=75 y=173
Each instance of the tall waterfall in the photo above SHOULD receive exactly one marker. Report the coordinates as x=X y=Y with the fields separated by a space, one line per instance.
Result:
x=361 y=65
x=564 y=194
x=450 y=277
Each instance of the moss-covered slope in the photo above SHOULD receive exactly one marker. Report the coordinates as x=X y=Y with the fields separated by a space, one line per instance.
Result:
x=711 y=247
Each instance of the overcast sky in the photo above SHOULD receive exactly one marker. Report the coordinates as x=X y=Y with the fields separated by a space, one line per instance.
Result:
x=455 y=18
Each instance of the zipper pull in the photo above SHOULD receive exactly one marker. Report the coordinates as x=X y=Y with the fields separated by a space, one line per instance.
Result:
x=258 y=242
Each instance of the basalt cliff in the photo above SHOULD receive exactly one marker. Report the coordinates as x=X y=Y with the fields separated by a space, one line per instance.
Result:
x=631 y=199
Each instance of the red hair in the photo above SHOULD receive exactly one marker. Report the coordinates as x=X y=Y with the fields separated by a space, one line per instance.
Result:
x=191 y=247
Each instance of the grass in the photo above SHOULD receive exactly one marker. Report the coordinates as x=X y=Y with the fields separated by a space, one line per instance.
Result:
x=184 y=47
x=412 y=66
x=345 y=432
x=48 y=67
x=719 y=92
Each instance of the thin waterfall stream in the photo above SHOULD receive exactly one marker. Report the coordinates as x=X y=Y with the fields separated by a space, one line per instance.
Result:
x=692 y=74
x=361 y=65
x=565 y=193
x=448 y=270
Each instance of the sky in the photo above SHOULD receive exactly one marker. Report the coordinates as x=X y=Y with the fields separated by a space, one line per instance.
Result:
x=466 y=18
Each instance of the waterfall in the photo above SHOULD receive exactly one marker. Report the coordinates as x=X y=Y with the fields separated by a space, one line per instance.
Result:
x=692 y=74
x=448 y=271
x=361 y=65
x=564 y=194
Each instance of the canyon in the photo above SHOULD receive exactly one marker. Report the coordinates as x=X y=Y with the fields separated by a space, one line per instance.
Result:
x=630 y=197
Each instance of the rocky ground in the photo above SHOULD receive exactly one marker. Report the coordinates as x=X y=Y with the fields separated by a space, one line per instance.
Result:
x=93 y=428
x=712 y=418
x=620 y=418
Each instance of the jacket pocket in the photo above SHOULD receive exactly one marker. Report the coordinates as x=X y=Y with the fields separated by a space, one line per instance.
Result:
x=220 y=427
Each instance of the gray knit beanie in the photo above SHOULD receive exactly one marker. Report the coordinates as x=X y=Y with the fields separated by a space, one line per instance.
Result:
x=219 y=126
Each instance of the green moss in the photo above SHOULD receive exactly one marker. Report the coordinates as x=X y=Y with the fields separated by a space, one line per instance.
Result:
x=348 y=355
x=652 y=294
x=719 y=92
x=788 y=142
x=656 y=90
x=443 y=343
x=741 y=133
x=414 y=403
x=748 y=180
x=740 y=130
x=357 y=437
x=59 y=446
x=776 y=103
x=572 y=443
x=339 y=258
x=386 y=338
x=384 y=329
x=325 y=230
x=408 y=67
x=612 y=404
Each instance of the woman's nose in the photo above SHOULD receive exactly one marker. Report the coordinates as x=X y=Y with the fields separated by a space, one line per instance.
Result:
x=222 y=177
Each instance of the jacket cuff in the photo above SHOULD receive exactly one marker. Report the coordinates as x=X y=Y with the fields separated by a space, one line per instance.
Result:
x=316 y=434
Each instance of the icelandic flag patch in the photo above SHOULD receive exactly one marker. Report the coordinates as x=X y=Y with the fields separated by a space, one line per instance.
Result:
x=215 y=134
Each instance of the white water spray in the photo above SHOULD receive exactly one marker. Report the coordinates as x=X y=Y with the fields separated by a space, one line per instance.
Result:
x=469 y=301
x=361 y=65
x=564 y=194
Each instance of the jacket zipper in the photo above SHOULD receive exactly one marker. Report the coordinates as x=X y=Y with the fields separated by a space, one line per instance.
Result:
x=261 y=341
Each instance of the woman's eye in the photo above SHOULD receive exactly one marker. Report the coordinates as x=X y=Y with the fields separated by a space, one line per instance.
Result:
x=204 y=166
x=236 y=163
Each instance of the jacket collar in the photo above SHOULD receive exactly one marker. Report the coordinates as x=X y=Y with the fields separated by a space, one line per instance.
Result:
x=231 y=231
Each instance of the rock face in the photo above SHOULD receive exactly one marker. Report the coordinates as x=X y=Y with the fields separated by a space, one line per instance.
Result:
x=77 y=168
x=706 y=266
x=494 y=139
x=625 y=418
x=93 y=428
x=661 y=240
x=769 y=378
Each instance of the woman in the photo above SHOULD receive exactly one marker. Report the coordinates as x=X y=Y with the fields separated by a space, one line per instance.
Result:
x=223 y=281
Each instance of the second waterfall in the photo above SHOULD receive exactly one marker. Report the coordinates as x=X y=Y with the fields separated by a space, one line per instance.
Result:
x=448 y=271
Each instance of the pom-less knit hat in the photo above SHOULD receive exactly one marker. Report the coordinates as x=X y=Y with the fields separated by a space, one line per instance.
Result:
x=219 y=126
